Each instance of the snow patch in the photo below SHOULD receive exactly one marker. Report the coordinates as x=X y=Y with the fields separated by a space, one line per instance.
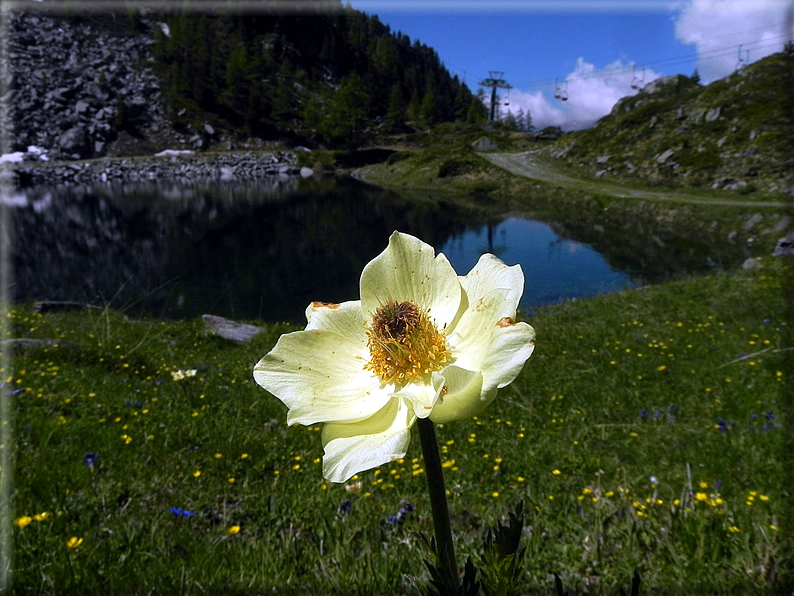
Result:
x=168 y=152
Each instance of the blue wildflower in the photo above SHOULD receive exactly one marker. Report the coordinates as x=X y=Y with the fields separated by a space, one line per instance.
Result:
x=406 y=506
x=90 y=459
x=180 y=511
x=404 y=509
x=345 y=508
x=770 y=416
x=643 y=413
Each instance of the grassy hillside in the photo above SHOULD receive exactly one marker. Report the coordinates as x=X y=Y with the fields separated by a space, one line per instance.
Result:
x=735 y=133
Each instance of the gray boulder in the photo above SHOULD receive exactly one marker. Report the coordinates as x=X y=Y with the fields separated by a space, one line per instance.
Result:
x=664 y=156
x=228 y=329
x=785 y=247
x=550 y=133
x=484 y=144
x=73 y=141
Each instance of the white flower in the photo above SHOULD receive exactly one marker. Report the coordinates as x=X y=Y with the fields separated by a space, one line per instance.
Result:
x=183 y=374
x=421 y=342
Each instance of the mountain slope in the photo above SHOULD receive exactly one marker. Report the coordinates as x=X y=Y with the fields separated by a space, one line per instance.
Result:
x=735 y=133
x=336 y=77
x=97 y=84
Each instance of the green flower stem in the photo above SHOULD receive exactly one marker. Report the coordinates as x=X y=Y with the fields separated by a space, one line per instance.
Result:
x=438 y=498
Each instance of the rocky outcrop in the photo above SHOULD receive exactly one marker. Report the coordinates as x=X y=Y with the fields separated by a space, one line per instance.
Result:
x=484 y=144
x=75 y=88
x=78 y=90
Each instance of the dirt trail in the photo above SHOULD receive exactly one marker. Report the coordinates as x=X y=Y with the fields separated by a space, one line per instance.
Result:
x=529 y=165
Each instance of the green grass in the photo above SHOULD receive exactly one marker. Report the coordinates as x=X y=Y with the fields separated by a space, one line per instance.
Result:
x=567 y=436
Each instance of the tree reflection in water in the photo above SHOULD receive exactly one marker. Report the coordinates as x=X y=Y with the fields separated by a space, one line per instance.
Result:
x=265 y=249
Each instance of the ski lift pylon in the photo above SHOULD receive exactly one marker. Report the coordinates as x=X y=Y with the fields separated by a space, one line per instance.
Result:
x=637 y=82
x=742 y=63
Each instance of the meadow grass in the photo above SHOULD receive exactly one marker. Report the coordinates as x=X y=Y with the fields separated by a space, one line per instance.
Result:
x=644 y=433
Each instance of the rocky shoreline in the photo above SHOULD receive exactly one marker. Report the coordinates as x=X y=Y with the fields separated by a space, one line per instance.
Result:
x=86 y=107
x=173 y=167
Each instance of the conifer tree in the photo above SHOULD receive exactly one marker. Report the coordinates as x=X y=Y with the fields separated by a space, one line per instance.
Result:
x=395 y=114
x=477 y=112
x=528 y=127
x=413 y=106
x=461 y=105
x=347 y=120
x=509 y=120
x=521 y=120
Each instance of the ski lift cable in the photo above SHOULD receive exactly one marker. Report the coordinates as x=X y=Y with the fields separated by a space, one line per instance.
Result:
x=708 y=55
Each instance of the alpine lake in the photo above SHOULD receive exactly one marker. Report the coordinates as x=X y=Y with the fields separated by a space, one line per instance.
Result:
x=263 y=250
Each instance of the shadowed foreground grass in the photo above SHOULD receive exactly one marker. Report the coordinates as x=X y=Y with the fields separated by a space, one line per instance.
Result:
x=644 y=433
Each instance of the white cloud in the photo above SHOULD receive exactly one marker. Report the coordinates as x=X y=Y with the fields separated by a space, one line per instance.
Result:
x=592 y=92
x=717 y=27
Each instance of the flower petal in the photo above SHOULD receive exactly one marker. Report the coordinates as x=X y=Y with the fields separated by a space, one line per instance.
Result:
x=512 y=345
x=353 y=448
x=471 y=337
x=422 y=396
x=490 y=272
x=492 y=292
x=462 y=395
x=346 y=319
x=408 y=271
x=320 y=377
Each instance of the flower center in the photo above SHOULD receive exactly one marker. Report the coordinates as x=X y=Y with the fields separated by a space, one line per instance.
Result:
x=404 y=343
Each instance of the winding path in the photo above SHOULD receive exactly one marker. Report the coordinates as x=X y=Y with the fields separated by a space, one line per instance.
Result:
x=528 y=165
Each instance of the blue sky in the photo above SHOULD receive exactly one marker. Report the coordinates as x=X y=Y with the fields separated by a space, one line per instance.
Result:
x=594 y=49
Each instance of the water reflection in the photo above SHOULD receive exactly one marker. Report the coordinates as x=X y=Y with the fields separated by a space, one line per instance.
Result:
x=264 y=250
x=555 y=268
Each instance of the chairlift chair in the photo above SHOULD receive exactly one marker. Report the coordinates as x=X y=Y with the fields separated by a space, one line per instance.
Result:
x=564 y=92
x=557 y=94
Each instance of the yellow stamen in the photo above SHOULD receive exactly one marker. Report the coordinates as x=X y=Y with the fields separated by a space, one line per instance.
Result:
x=403 y=343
